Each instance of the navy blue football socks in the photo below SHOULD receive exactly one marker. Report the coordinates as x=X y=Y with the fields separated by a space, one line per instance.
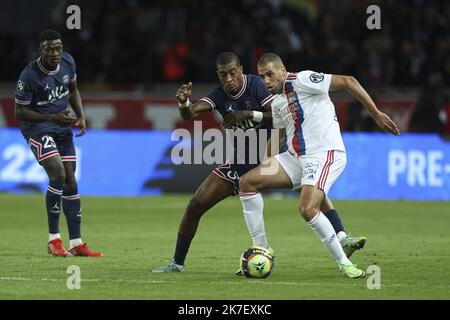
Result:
x=336 y=222
x=181 y=249
x=72 y=210
x=53 y=202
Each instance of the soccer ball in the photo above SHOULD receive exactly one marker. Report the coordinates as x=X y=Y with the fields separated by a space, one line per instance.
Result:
x=256 y=262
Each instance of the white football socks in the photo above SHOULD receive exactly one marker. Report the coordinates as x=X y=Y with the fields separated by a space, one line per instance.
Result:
x=75 y=242
x=53 y=236
x=324 y=230
x=341 y=235
x=253 y=207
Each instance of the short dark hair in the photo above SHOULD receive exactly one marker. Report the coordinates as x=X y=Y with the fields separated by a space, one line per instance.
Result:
x=270 y=58
x=49 y=34
x=226 y=58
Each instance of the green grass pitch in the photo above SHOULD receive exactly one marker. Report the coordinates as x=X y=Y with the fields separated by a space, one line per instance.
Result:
x=409 y=241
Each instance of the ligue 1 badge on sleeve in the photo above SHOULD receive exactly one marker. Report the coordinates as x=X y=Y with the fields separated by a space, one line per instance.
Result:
x=316 y=77
x=20 y=86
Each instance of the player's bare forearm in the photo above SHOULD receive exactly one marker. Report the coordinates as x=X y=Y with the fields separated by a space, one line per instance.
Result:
x=194 y=110
x=77 y=106
x=22 y=113
x=235 y=117
x=352 y=86
x=186 y=113
x=75 y=102
x=267 y=117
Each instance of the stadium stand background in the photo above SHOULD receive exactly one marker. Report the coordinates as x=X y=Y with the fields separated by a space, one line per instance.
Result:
x=147 y=48
x=133 y=55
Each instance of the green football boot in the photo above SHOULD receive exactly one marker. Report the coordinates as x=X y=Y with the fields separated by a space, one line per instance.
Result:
x=272 y=252
x=350 y=270
x=171 y=267
x=351 y=244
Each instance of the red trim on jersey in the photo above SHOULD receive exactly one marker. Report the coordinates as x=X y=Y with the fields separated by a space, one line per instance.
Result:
x=22 y=102
x=241 y=92
x=41 y=66
x=291 y=76
x=208 y=100
x=267 y=100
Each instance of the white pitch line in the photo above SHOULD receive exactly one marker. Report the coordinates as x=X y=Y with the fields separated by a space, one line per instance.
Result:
x=256 y=282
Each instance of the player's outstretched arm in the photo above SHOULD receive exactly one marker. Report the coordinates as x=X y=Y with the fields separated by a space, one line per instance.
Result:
x=352 y=86
x=187 y=109
x=22 y=113
x=77 y=106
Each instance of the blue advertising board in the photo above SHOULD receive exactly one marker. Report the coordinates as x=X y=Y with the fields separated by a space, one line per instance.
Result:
x=121 y=163
x=385 y=167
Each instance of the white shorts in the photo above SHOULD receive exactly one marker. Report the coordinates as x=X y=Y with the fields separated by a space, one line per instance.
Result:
x=320 y=170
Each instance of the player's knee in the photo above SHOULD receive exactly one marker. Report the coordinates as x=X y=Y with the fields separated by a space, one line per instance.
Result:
x=57 y=174
x=308 y=210
x=71 y=185
x=246 y=184
x=196 y=207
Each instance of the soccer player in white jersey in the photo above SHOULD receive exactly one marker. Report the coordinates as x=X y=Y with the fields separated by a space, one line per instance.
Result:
x=302 y=109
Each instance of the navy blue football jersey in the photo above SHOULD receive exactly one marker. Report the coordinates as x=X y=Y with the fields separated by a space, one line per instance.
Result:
x=45 y=92
x=253 y=96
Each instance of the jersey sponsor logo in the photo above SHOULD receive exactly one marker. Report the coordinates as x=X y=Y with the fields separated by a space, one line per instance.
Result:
x=66 y=79
x=316 y=77
x=53 y=95
x=292 y=99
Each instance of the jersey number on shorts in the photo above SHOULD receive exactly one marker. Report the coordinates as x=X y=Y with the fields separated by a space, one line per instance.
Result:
x=48 y=142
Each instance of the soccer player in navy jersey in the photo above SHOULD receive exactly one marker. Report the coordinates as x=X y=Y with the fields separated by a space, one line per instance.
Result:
x=43 y=90
x=244 y=102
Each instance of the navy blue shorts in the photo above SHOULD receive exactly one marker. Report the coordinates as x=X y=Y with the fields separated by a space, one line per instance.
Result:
x=46 y=145
x=232 y=172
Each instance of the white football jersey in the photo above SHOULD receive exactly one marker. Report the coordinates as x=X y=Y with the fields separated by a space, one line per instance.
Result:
x=307 y=112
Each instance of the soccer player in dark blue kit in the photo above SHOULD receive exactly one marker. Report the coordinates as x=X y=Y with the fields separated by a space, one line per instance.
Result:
x=244 y=102
x=43 y=90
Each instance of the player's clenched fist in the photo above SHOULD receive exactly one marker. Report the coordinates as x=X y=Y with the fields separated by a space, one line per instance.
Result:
x=184 y=92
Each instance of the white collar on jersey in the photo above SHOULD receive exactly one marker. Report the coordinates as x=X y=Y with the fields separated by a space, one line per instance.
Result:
x=241 y=92
x=41 y=66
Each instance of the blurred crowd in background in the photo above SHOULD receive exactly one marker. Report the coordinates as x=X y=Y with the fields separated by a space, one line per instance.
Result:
x=170 y=41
